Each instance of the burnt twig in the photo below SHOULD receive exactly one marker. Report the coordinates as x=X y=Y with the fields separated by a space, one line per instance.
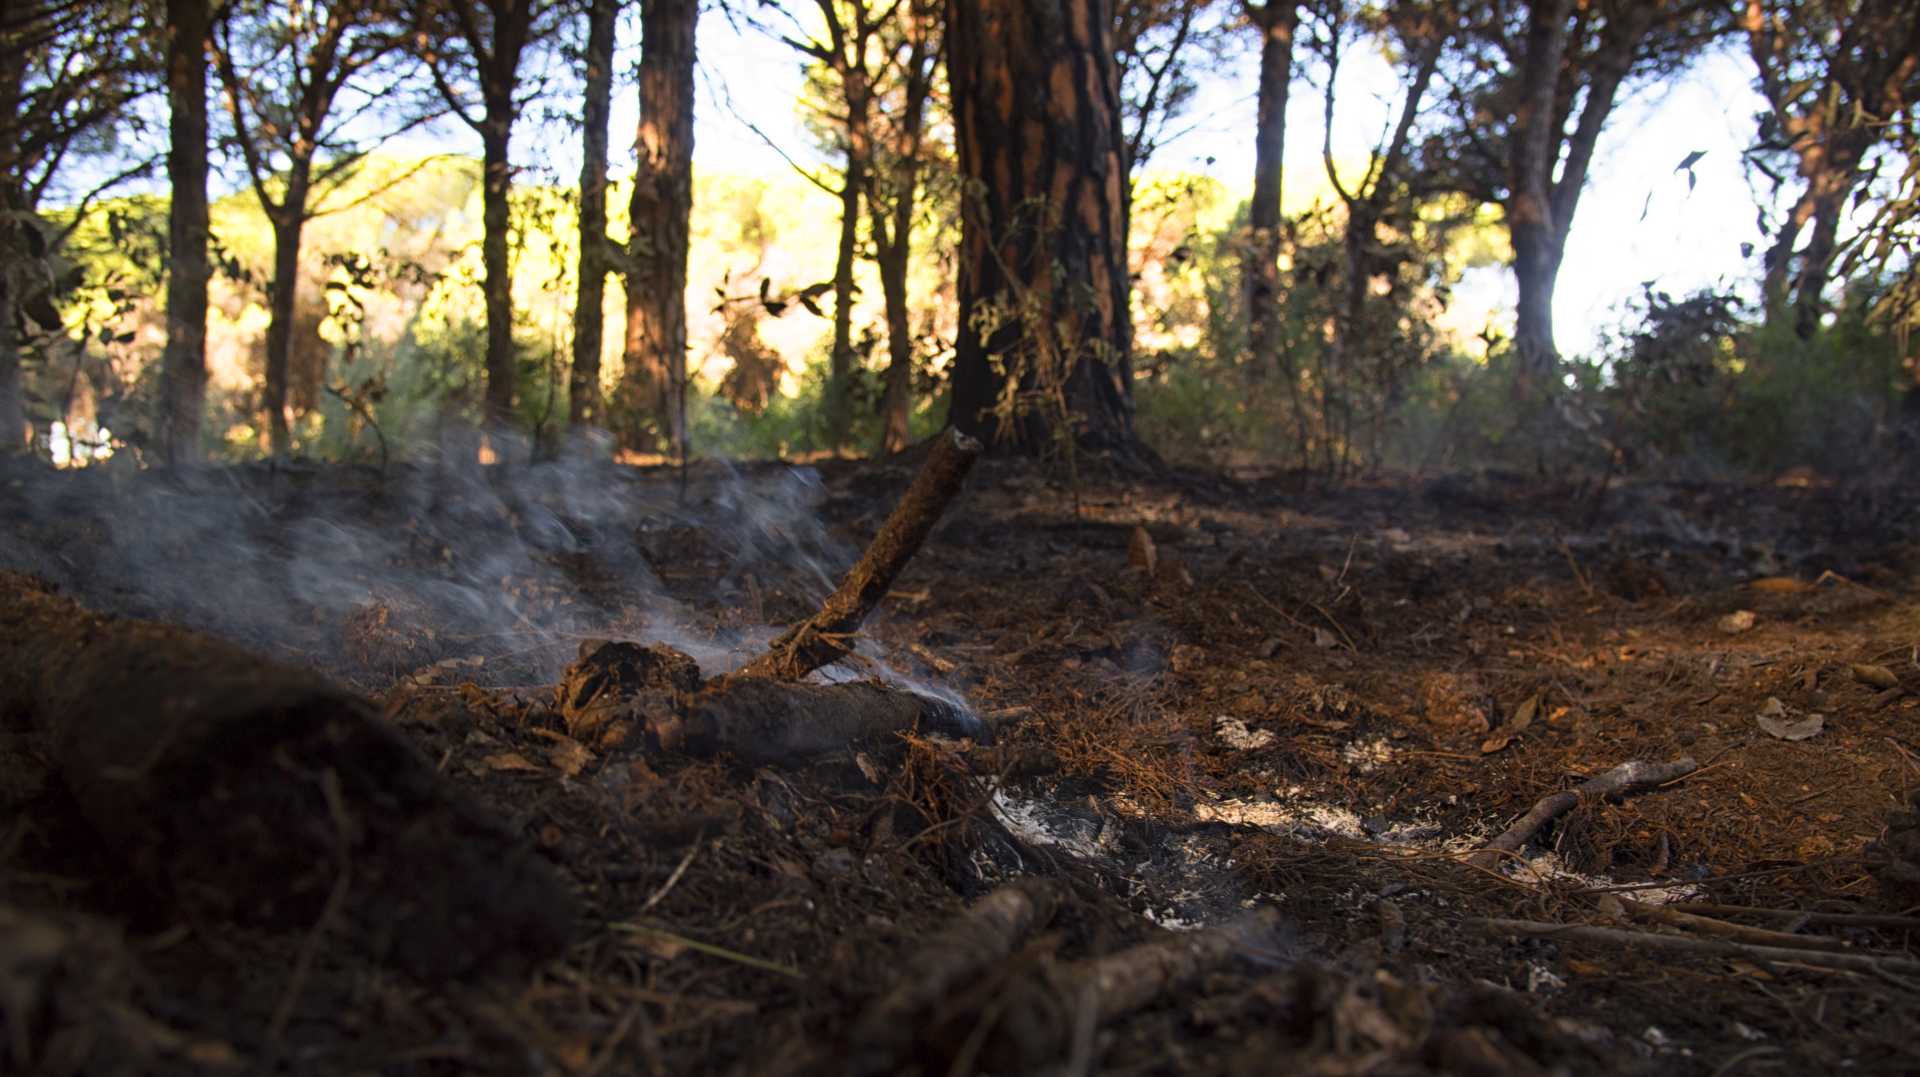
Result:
x=1628 y=777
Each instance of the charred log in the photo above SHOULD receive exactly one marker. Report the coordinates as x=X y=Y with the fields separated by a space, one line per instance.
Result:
x=242 y=789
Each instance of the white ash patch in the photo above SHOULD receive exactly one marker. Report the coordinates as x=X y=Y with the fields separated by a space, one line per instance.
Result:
x=1238 y=736
x=1548 y=867
x=1366 y=756
x=1308 y=819
x=1038 y=823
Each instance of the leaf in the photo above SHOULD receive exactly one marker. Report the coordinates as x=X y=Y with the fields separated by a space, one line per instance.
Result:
x=1777 y=721
x=509 y=761
x=1779 y=585
x=1497 y=742
x=1524 y=713
x=1141 y=552
x=1876 y=676
x=1690 y=160
x=569 y=756
x=1737 y=622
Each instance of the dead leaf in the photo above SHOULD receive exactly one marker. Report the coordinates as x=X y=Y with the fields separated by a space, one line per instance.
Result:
x=1737 y=622
x=1324 y=639
x=509 y=761
x=1585 y=968
x=1779 y=585
x=1497 y=742
x=1875 y=676
x=1777 y=721
x=569 y=756
x=1141 y=553
x=658 y=945
x=869 y=768
x=1523 y=714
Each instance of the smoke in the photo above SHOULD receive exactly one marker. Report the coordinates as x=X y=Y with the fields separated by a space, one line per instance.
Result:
x=440 y=558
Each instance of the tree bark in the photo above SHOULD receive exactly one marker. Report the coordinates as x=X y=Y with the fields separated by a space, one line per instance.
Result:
x=1277 y=22
x=183 y=369
x=589 y=318
x=1043 y=280
x=839 y=409
x=653 y=384
x=1530 y=218
x=288 y=223
x=496 y=215
x=893 y=230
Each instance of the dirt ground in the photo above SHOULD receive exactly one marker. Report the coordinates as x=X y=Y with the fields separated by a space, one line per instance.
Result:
x=1211 y=693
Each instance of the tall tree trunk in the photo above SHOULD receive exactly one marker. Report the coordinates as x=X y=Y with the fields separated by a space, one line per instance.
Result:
x=893 y=231
x=288 y=223
x=183 y=369
x=653 y=384
x=1037 y=121
x=1277 y=21
x=496 y=215
x=1530 y=219
x=840 y=369
x=589 y=318
x=14 y=435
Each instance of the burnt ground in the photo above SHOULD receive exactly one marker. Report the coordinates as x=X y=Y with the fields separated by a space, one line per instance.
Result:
x=1280 y=697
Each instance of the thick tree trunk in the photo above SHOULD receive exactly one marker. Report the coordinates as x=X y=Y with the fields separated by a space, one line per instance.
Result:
x=1043 y=265
x=1277 y=21
x=288 y=223
x=589 y=318
x=496 y=213
x=14 y=435
x=183 y=369
x=1817 y=260
x=1530 y=217
x=653 y=384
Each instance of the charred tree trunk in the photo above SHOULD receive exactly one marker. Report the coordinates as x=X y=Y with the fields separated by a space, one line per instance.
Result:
x=1277 y=22
x=183 y=370
x=14 y=435
x=589 y=318
x=893 y=230
x=653 y=385
x=1043 y=286
x=288 y=223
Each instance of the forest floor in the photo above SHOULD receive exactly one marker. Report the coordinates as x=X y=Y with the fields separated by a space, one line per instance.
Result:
x=1211 y=692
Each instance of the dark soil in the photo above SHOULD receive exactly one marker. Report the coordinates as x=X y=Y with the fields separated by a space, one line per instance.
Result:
x=1209 y=693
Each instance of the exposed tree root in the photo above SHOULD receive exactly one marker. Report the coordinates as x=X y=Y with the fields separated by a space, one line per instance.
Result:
x=1628 y=777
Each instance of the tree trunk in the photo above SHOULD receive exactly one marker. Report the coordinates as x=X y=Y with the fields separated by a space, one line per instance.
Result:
x=1816 y=265
x=1043 y=266
x=1277 y=21
x=183 y=370
x=653 y=385
x=14 y=435
x=496 y=195
x=896 y=406
x=589 y=319
x=1530 y=218
x=839 y=401
x=893 y=238
x=288 y=222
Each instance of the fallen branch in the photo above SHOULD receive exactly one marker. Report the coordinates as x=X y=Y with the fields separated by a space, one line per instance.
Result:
x=1612 y=937
x=985 y=933
x=1796 y=916
x=1630 y=777
x=236 y=787
x=1759 y=936
x=827 y=636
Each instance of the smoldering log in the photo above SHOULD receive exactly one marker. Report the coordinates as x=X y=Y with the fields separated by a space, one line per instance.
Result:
x=761 y=722
x=827 y=636
x=616 y=689
x=244 y=789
